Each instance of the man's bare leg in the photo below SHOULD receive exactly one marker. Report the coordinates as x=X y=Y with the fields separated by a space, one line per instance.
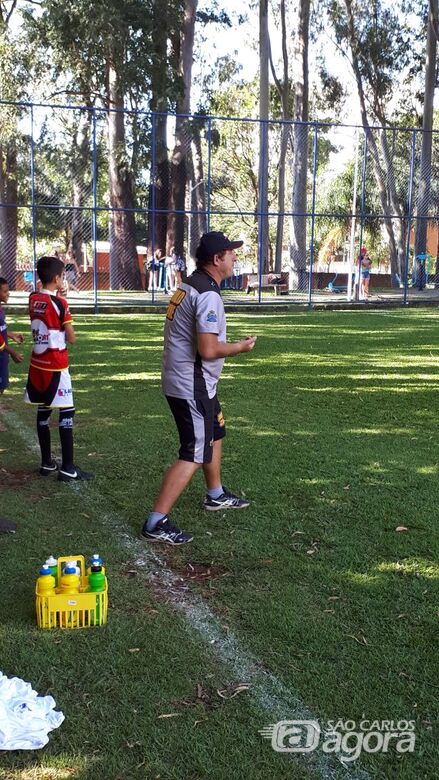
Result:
x=212 y=470
x=174 y=482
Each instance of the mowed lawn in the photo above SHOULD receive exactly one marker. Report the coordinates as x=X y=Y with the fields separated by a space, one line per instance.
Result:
x=333 y=430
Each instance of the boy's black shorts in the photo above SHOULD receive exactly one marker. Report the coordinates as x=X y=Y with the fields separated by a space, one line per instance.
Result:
x=199 y=424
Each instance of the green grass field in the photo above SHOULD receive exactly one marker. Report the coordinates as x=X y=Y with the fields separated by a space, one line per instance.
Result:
x=314 y=600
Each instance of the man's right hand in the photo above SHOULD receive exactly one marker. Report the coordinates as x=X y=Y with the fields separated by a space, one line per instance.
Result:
x=248 y=343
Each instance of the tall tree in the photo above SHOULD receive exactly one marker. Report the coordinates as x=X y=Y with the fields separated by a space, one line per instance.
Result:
x=424 y=188
x=300 y=148
x=159 y=104
x=284 y=92
x=101 y=48
x=264 y=50
x=184 y=47
x=9 y=86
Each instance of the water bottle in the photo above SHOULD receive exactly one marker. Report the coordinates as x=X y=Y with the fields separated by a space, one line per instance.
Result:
x=45 y=587
x=96 y=584
x=70 y=581
x=46 y=582
x=96 y=560
x=52 y=563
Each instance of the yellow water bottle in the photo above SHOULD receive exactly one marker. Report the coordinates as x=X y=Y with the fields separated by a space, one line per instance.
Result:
x=69 y=584
x=46 y=582
x=45 y=588
x=70 y=580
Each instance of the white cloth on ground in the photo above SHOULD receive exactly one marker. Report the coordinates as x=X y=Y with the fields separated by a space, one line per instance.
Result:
x=25 y=717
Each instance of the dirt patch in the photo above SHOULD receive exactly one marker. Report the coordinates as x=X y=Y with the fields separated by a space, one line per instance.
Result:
x=200 y=572
x=15 y=477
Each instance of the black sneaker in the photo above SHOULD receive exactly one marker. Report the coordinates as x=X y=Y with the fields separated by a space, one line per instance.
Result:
x=167 y=533
x=225 y=501
x=48 y=468
x=76 y=475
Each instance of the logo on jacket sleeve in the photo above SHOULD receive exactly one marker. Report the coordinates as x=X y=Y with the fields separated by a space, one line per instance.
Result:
x=211 y=316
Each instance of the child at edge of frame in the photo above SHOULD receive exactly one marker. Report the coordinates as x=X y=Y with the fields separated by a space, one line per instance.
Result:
x=5 y=350
x=49 y=385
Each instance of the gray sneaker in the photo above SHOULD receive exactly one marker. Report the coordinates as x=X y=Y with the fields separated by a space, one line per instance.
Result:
x=226 y=500
x=167 y=533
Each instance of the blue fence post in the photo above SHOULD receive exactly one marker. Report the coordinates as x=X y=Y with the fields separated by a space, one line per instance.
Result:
x=362 y=209
x=313 y=209
x=94 y=227
x=209 y=165
x=409 y=218
x=33 y=203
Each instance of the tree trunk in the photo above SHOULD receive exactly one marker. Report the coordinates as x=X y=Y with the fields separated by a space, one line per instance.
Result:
x=198 y=191
x=399 y=224
x=263 y=259
x=176 y=219
x=8 y=213
x=394 y=243
x=284 y=93
x=157 y=222
x=298 y=254
x=81 y=153
x=427 y=126
x=124 y=266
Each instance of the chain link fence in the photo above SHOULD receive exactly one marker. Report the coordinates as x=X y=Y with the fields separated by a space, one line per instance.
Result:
x=124 y=197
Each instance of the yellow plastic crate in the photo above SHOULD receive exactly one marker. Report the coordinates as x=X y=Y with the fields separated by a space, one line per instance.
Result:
x=76 y=610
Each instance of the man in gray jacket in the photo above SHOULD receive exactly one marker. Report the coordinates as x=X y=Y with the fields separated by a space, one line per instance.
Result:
x=195 y=347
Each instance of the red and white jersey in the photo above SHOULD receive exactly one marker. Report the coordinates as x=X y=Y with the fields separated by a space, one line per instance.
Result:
x=48 y=315
x=2 y=343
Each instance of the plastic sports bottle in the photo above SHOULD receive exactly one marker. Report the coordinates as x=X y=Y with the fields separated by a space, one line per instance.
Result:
x=96 y=584
x=45 y=587
x=69 y=581
x=46 y=582
x=96 y=560
x=52 y=563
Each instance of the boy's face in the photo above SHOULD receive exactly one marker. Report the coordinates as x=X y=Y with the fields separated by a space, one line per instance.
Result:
x=59 y=280
x=4 y=293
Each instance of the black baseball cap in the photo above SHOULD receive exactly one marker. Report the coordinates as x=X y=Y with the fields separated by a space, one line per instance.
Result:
x=213 y=243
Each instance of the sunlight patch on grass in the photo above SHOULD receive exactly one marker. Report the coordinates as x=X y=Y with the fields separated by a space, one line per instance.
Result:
x=428 y=470
x=414 y=567
x=380 y=431
x=144 y=375
x=45 y=773
x=357 y=578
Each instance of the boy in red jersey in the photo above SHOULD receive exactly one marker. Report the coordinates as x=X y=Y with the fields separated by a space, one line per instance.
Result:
x=49 y=384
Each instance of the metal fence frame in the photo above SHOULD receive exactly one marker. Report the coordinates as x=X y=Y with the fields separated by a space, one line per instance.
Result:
x=315 y=128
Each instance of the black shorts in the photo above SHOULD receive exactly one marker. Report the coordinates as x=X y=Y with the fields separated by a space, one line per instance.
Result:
x=199 y=424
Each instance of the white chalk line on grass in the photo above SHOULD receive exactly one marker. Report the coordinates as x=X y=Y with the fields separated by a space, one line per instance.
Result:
x=268 y=692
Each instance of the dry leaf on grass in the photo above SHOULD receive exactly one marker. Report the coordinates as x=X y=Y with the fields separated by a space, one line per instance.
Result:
x=361 y=641
x=170 y=715
x=232 y=690
x=134 y=649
